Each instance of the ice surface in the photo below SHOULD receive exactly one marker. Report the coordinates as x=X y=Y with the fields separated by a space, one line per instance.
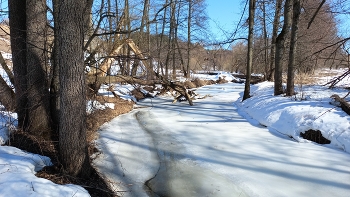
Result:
x=234 y=151
x=178 y=176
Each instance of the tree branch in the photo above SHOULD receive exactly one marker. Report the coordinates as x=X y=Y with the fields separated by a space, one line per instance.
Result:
x=315 y=14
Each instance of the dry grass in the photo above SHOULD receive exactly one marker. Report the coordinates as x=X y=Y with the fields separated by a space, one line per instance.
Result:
x=189 y=84
x=305 y=79
x=99 y=117
x=302 y=79
x=199 y=82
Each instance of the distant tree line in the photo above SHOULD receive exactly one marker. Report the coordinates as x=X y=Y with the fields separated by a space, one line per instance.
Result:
x=289 y=37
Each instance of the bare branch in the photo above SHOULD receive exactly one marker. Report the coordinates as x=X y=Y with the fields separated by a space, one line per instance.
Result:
x=315 y=14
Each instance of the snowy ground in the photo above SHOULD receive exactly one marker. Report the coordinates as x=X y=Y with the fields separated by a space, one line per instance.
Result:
x=17 y=176
x=222 y=146
x=219 y=147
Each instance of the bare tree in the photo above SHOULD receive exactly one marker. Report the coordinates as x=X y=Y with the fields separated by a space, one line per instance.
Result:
x=276 y=19
x=293 y=46
x=246 y=94
x=281 y=46
x=266 y=63
x=37 y=88
x=72 y=126
x=189 y=23
x=17 y=16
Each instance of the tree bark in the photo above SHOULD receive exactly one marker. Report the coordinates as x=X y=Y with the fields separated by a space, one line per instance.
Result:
x=145 y=17
x=88 y=26
x=293 y=47
x=161 y=40
x=189 y=23
x=273 y=39
x=38 y=91
x=7 y=96
x=173 y=26
x=17 y=22
x=343 y=104
x=55 y=82
x=266 y=63
x=246 y=94
x=7 y=69
x=281 y=46
x=72 y=127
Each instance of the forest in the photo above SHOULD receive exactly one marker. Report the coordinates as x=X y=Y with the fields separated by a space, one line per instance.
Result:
x=57 y=55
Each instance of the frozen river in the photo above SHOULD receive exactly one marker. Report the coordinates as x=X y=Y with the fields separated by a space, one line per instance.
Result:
x=209 y=149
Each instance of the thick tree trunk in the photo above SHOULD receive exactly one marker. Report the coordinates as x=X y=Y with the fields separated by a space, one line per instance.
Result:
x=88 y=26
x=38 y=91
x=17 y=16
x=292 y=50
x=72 y=126
x=246 y=94
x=281 y=47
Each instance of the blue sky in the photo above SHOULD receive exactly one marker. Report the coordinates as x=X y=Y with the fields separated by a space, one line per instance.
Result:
x=223 y=14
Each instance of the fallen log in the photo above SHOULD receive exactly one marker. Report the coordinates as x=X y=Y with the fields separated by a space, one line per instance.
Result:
x=175 y=86
x=343 y=104
x=119 y=79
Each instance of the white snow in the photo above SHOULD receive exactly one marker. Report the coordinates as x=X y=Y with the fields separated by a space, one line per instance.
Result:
x=17 y=176
x=309 y=109
x=219 y=74
x=18 y=168
x=247 y=145
x=95 y=105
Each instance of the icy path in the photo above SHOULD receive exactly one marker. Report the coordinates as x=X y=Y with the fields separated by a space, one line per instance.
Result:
x=224 y=151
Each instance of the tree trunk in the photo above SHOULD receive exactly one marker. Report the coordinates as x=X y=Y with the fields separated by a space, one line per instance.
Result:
x=281 y=46
x=38 y=91
x=182 y=64
x=7 y=69
x=266 y=63
x=246 y=94
x=17 y=16
x=7 y=96
x=88 y=26
x=293 y=46
x=173 y=36
x=72 y=127
x=189 y=23
x=55 y=82
x=161 y=39
x=273 y=39
x=145 y=17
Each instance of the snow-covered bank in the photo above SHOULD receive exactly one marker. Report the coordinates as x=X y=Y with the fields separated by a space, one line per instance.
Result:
x=309 y=109
x=17 y=176
x=216 y=138
x=18 y=169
